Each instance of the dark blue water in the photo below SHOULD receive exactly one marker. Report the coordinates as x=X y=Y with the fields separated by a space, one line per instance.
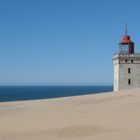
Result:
x=17 y=93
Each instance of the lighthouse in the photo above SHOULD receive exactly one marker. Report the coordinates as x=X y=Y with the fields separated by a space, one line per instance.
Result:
x=126 y=65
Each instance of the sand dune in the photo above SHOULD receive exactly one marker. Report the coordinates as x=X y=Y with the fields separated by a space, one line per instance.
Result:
x=108 y=116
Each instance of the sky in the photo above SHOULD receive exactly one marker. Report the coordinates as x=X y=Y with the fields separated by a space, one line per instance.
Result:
x=63 y=42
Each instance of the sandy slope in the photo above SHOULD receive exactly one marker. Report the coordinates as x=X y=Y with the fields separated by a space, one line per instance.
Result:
x=93 y=117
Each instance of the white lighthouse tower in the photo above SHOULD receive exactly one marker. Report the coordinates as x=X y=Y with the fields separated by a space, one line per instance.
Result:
x=126 y=65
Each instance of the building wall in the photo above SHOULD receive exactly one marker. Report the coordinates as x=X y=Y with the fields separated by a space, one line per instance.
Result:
x=122 y=77
x=116 y=76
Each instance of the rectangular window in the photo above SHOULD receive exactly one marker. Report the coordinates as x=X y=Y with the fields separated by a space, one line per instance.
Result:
x=129 y=70
x=129 y=81
x=125 y=61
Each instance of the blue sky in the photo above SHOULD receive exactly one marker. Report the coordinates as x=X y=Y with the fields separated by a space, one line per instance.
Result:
x=62 y=42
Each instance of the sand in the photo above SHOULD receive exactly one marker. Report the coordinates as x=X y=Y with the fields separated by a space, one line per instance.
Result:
x=106 y=116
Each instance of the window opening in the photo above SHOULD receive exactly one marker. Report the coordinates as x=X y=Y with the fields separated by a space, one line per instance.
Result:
x=129 y=81
x=129 y=70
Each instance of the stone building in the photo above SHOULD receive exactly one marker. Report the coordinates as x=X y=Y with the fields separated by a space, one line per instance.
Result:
x=126 y=65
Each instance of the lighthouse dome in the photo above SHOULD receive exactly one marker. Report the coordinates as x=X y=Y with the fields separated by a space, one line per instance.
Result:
x=126 y=40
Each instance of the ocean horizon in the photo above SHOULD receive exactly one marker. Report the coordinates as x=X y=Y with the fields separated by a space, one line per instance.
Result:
x=21 y=93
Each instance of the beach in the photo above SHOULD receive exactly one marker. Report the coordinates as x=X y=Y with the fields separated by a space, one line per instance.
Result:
x=106 y=116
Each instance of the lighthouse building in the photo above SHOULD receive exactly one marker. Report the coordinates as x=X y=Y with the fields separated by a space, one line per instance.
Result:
x=126 y=65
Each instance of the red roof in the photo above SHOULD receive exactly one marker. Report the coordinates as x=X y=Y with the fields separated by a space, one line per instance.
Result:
x=126 y=40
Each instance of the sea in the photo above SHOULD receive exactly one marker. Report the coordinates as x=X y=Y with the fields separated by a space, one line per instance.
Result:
x=21 y=93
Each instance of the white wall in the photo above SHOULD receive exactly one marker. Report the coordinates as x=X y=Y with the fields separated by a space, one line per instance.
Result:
x=121 y=74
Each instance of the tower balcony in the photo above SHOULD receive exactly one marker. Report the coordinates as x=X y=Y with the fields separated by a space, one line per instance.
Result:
x=125 y=58
x=135 y=55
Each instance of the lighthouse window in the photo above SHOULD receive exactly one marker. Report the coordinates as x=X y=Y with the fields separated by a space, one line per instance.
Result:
x=125 y=61
x=129 y=81
x=129 y=70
